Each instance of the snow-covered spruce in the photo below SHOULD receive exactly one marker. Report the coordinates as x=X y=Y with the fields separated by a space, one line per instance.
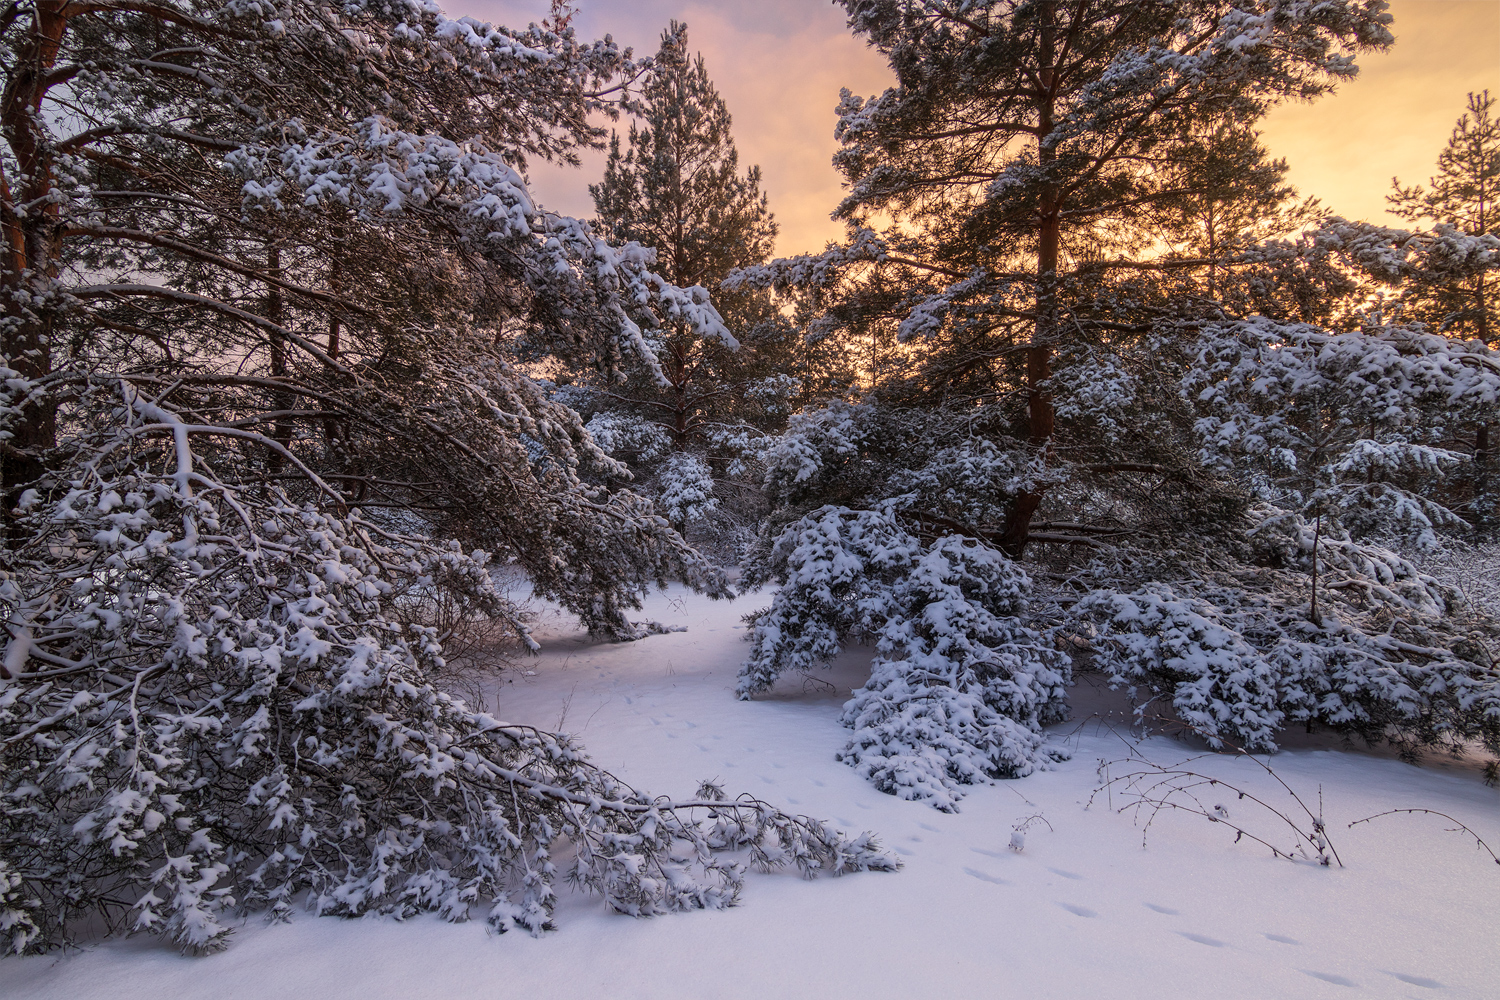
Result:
x=959 y=688
x=207 y=705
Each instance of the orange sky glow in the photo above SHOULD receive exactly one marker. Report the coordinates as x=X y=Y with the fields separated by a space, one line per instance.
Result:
x=779 y=65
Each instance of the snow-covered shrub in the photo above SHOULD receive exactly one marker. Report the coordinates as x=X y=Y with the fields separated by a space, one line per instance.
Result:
x=835 y=567
x=1281 y=537
x=1347 y=425
x=1219 y=684
x=1239 y=664
x=959 y=688
x=816 y=446
x=687 y=490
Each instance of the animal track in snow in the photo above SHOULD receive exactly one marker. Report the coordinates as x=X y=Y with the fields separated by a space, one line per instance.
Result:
x=1162 y=909
x=988 y=854
x=842 y=821
x=1328 y=977
x=1422 y=981
x=1201 y=939
x=983 y=877
x=930 y=829
x=1059 y=871
x=904 y=852
x=769 y=781
x=1282 y=939
x=818 y=783
x=1081 y=911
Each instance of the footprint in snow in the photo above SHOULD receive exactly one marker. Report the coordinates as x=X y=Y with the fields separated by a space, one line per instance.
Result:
x=1166 y=909
x=656 y=722
x=1422 y=981
x=691 y=725
x=671 y=736
x=915 y=838
x=1059 y=871
x=1080 y=911
x=904 y=852
x=1281 y=939
x=1202 y=939
x=818 y=783
x=769 y=781
x=629 y=700
x=795 y=802
x=864 y=806
x=1328 y=977
x=842 y=821
x=983 y=877
x=930 y=829
x=703 y=748
x=781 y=767
x=988 y=854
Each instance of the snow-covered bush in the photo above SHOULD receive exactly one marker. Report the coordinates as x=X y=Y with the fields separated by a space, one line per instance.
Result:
x=1239 y=664
x=1351 y=426
x=959 y=688
x=1218 y=683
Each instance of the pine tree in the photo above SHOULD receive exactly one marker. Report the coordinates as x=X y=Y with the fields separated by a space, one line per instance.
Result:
x=269 y=270
x=676 y=186
x=1085 y=225
x=1024 y=146
x=1463 y=194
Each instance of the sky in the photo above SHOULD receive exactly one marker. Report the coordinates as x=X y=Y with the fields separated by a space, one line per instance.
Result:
x=779 y=65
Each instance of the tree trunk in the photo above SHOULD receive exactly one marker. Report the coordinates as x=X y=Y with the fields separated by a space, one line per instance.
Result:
x=1040 y=414
x=32 y=245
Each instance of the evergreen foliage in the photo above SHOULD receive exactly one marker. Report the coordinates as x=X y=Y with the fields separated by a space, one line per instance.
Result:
x=270 y=269
x=1116 y=342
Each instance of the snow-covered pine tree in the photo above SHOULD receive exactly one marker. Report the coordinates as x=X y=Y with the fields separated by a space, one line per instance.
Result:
x=675 y=185
x=1023 y=143
x=1462 y=194
x=1065 y=324
x=267 y=268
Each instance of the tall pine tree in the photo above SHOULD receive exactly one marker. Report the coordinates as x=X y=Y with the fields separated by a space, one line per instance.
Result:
x=676 y=186
x=1462 y=194
x=1024 y=147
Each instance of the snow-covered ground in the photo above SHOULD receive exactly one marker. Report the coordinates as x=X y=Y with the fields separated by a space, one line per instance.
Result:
x=1083 y=911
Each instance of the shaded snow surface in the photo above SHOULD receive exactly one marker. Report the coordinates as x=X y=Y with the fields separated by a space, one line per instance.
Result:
x=1084 y=911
